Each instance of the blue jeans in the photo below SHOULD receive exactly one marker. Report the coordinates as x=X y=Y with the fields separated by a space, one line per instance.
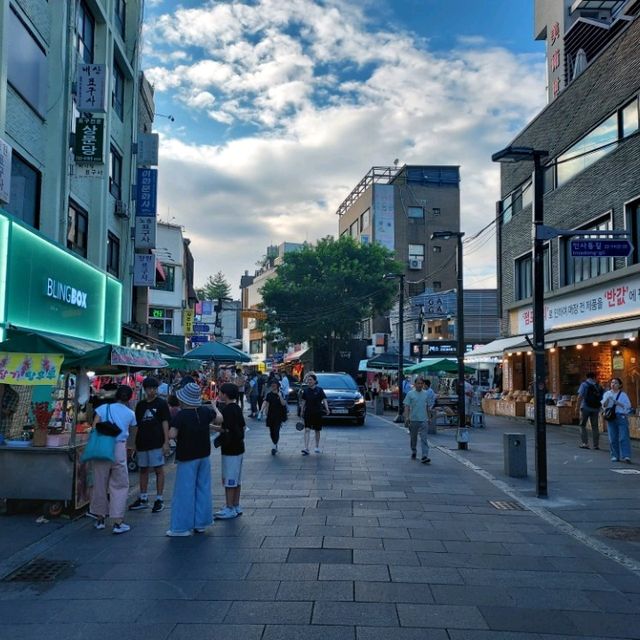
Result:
x=192 y=504
x=619 y=444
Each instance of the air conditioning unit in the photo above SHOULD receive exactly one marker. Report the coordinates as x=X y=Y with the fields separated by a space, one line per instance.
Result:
x=371 y=351
x=415 y=265
x=121 y=209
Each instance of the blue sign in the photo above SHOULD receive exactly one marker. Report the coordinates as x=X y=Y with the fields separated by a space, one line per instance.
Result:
x=195 y=339
x=147 y=192
x=601 y=248
x=201 y=328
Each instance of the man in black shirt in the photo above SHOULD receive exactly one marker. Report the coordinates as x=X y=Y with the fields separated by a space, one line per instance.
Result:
x=313 y=405
x=152 y=443
x=232 y=449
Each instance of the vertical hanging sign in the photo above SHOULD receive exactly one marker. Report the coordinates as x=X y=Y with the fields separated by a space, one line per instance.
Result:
x=146 y=192
x=144 y=270
x=89 y=141
x=91 y=84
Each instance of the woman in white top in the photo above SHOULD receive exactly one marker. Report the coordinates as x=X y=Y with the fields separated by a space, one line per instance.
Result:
x=618 y=428
x=111 y=479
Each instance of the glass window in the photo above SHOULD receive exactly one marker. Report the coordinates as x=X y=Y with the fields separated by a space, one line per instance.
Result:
x=416 y=252
x=169 y=283
x=524 y=275
x=117 y=93
x=354 y=229
x=415 y=213
x=436 y=211
x=77 y=229
x=255 y=346
x=365 y=220
x=85 y=32
x=633 y=224
x=120 y=11
x=527 y=195
x=549 y=178
x=113 y=255
x=437 y=249
x=588 y=150
x=115 y=174
x=26 y=64
x=161 y=319
x=507 y=209
x=25 y=192
x=630 y=120
x=580 y=269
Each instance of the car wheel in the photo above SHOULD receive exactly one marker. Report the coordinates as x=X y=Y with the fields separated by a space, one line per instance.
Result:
x=360 y=421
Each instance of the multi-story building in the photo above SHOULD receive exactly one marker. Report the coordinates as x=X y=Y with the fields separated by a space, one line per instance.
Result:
x=254 y=341
x=173 y=293
x=69 y=110
x=592 y=182
x=400 y=208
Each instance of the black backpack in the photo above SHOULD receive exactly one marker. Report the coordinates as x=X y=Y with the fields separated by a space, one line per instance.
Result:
x=593 y=396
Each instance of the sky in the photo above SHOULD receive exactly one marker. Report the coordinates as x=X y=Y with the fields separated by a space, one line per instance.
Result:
x=280 y=107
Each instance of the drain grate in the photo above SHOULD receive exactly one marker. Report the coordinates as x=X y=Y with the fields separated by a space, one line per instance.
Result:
x=632 y=534
x=41 y=570
x=503 y=505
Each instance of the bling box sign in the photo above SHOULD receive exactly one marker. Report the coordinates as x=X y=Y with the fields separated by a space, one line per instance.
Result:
x=49 y=289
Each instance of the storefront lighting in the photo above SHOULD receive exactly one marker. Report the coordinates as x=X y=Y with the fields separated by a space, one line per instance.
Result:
x=518 y=353
x=614 y=343
x=509 y=355
x=552 y=350
x=595 y=344
x=632 y=339
x=578 y=346
x=529 y=353
x=617 y=352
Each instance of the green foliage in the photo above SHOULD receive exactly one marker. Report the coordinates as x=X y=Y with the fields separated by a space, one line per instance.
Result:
x=324 y=291
x=215 y=287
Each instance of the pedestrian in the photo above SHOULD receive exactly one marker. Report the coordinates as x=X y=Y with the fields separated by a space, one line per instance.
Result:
x=431 y=403
x=618 y=425
x=152 y=443
x=468 y=399
x=274 y=408
x=285 y=387
x=589 y=403
x=253 y=395
x=416 y=408
x=232 y=450
x=191 y=506
x=241 y=381
x=174 y=404
x=111 y=479
x=313 y=402
x=406 y=386
x=262 y=388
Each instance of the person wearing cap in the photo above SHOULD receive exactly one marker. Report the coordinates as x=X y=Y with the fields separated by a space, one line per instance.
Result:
x=191 y=506
x=152 y=443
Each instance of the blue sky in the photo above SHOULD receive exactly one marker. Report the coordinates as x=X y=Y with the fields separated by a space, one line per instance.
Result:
x=281 y=107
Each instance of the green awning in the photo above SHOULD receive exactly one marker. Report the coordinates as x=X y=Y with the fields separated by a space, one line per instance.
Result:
x=181 y=364
x=217 y=352
x=435 y=366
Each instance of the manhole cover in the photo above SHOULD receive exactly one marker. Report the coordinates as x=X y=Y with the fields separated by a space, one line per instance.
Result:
x=503 y=505
x=41 y=570
x=632 y=534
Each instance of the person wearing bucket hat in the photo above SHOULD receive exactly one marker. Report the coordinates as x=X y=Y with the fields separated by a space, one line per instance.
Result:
x=191 y=507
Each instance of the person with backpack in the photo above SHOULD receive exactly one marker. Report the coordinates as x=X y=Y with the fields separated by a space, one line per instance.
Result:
x=590 y=402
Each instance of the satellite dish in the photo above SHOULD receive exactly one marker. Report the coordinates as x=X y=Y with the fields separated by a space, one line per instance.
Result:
x=395 y=162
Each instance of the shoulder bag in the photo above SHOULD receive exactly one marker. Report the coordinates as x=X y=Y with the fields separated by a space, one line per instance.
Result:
x=107 y=427
x=610 y=412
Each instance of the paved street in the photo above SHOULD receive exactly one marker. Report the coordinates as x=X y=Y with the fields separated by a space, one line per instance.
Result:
x=358 y=542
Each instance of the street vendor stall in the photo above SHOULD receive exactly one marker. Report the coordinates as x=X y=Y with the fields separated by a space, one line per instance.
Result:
x=41 y=452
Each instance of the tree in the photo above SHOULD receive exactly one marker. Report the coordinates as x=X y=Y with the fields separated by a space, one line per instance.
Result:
x=321 y=293
x=215 y=287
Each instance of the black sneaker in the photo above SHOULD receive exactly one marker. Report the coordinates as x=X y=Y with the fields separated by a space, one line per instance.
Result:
x=139 y=504
x=413 y=455
x=158 y=506
x=425 y=460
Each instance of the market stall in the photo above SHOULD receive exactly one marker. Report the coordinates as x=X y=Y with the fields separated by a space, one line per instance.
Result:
x=42 y=444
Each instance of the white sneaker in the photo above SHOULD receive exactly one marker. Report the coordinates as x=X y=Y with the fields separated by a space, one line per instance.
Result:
x=99 y=525
x=225 y=514
x=121 y=528
x=179 y=534
x=238 y=509
x=317 y=450
x=200 y=529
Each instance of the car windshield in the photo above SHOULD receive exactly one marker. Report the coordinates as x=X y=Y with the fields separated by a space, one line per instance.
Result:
x=336 y=382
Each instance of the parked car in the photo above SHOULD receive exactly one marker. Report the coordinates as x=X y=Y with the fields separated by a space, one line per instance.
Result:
x=343 y=397
x=294 y=390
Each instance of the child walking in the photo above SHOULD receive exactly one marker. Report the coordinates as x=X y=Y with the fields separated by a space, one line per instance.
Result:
x=232 y=449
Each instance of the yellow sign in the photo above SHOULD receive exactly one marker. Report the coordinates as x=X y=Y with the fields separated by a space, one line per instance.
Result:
x=30 y=368
x=253 y=313
x=187 y=321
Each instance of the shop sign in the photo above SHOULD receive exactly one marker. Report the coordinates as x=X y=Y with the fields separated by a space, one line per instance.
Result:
x=30 y=368
x=89 y=171
x=91 y=94
x=145 y=234
x=188 y=318
x=89 y=140
x=384 y=215
x=146 y=192
x=5 y=171
x=148 y=144
x=199 y=339
x=596 y=304
x=37 y=290
x=201 y=328
x=144 y=270
x=128 y=357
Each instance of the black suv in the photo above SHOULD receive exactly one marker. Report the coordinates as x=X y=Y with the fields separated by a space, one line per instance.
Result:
x=344 y=400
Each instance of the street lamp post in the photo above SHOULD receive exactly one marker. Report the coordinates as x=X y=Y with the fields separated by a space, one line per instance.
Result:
x=524 y=154
x=400 y=417
x=446 y=235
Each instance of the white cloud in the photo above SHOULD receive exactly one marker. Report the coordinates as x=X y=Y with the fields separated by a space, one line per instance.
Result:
x=329 y=100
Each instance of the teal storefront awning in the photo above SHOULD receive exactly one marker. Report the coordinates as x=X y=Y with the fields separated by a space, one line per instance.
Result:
x=217 y=352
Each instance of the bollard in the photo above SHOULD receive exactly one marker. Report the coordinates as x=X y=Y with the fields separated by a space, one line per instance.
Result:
x=477 y=420
x=515 y=454
x=379 y=405
x=462 y=438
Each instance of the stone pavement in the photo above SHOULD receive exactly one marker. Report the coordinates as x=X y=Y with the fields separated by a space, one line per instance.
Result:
x=357 y=542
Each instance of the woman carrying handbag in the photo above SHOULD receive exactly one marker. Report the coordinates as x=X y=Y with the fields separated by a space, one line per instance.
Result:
x=616 y=406
x=111 y=478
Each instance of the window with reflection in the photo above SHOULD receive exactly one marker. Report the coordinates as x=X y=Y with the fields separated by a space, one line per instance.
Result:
x=524 y=274
x=85 y=32
x=630 y=118
x=581 y=269
x=24 y=198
